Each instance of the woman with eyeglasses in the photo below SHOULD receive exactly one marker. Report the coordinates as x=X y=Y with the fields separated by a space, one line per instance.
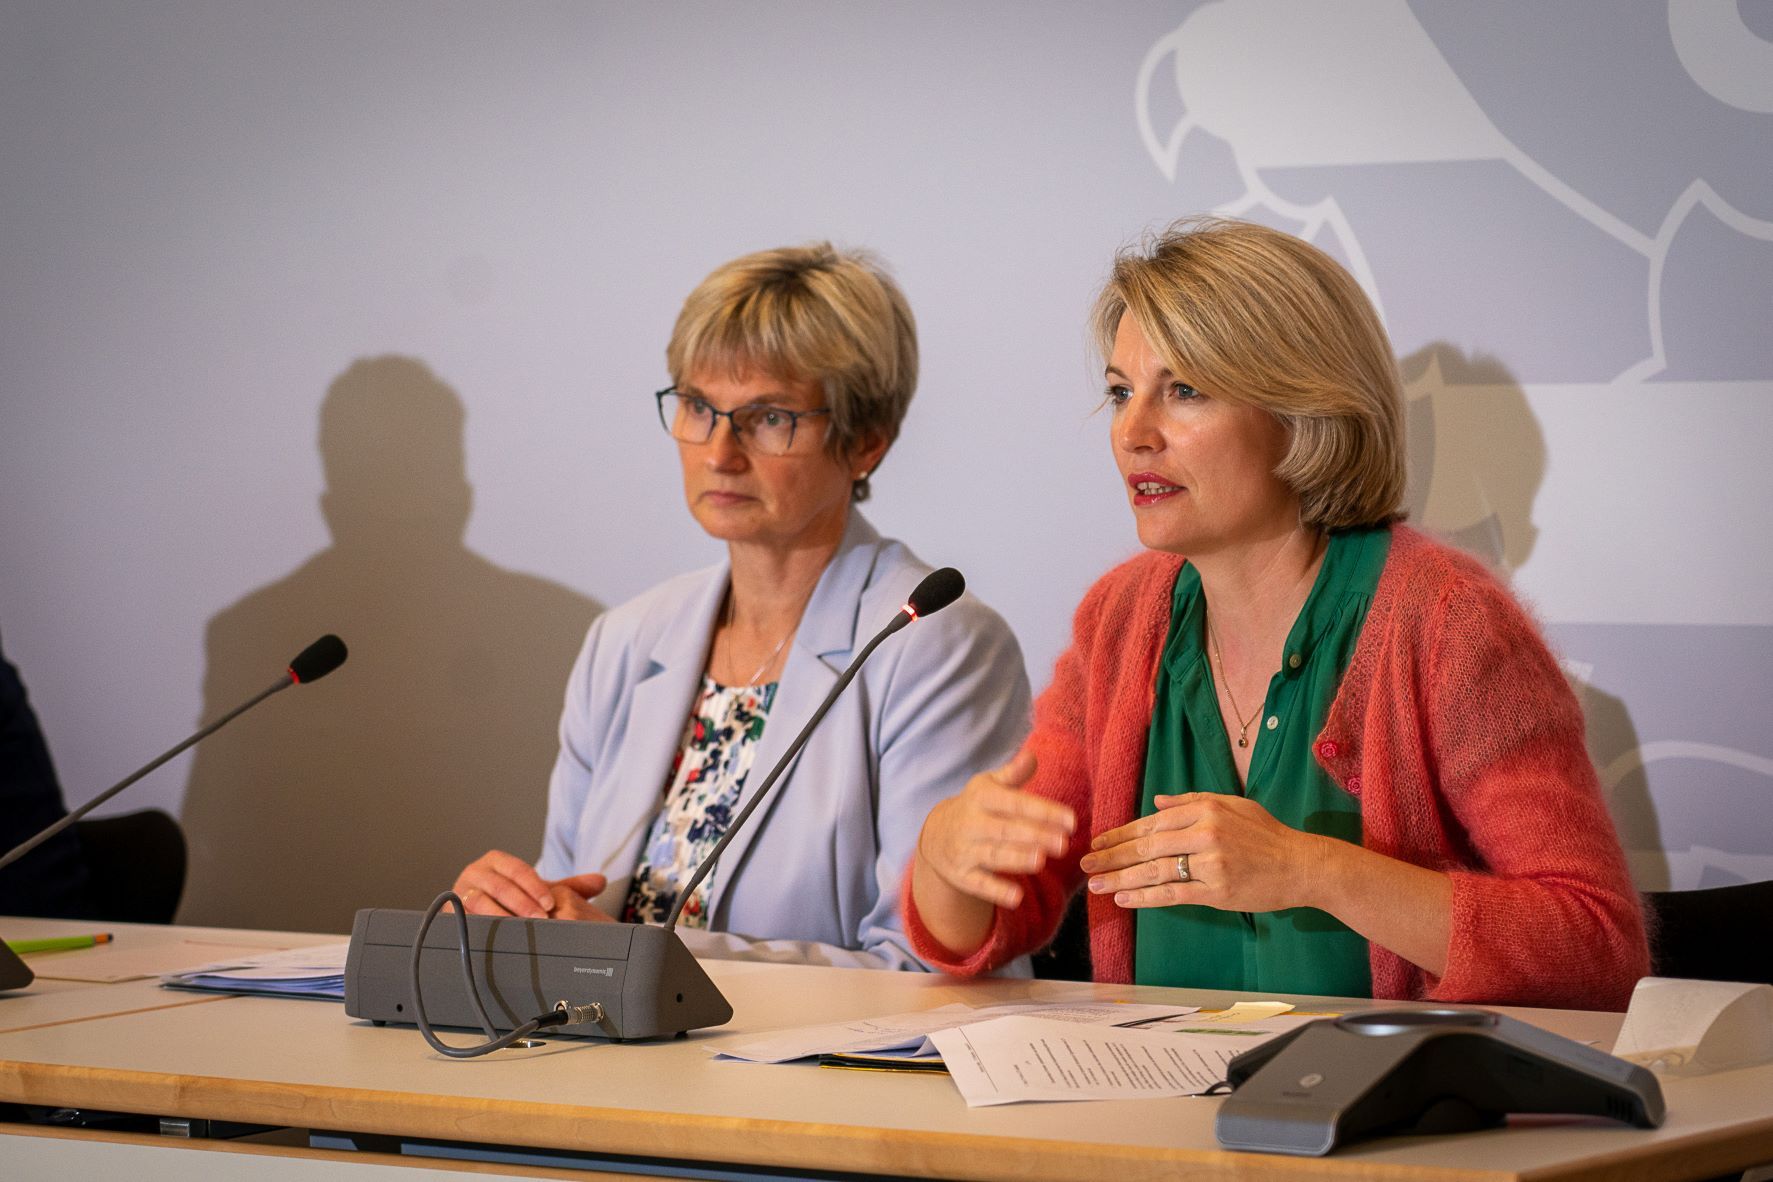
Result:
x=791 y=372
x=1295 y=746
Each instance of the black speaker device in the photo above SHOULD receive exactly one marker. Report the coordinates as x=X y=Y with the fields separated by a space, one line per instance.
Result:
x=1419 y=1071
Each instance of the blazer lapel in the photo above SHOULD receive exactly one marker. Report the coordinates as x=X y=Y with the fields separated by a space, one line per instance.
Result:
x=658 y=709
x=822 y=648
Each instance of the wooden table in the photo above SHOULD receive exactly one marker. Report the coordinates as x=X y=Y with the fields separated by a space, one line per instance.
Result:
x=303 y=1065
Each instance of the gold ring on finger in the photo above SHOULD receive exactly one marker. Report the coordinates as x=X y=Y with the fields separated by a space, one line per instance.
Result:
x=1182 y=874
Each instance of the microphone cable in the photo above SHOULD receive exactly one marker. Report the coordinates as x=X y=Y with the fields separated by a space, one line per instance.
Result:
x=564 y=1013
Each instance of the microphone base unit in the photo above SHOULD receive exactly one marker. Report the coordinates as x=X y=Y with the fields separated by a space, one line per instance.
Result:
x=644 y=978
x=14 y=973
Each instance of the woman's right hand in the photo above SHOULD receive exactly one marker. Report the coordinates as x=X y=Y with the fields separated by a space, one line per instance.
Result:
x=992 y=829
x=497 y=883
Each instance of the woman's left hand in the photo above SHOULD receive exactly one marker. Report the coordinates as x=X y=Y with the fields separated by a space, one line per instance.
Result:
x=1238 y=857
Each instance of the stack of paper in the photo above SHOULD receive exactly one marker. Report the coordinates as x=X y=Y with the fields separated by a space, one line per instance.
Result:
x=1024 y=1057
x=1041 y=1050
x=907 y=1036
x=296 y=972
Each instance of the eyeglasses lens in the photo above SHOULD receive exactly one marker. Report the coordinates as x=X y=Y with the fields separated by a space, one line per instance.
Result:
x=765 y=429
x=769 y=430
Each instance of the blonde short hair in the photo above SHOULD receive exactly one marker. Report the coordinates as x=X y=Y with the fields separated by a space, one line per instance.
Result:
x=809 y=313
x=1255 y=316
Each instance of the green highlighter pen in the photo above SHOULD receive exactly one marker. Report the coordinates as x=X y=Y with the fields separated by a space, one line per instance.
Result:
x=58 y=943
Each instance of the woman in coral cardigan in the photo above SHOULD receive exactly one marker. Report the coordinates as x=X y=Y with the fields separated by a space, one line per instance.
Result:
x=1294 y=746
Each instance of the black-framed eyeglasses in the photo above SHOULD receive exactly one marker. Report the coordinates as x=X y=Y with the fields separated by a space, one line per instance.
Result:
x=689 y=418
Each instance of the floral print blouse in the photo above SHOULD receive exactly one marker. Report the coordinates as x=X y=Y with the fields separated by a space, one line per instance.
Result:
x=718 y=745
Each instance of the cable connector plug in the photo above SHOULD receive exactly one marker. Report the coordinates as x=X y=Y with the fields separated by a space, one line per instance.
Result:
x=572 y=1015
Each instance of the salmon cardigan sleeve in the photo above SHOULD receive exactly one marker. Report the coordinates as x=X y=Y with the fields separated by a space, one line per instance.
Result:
x=1453 y=727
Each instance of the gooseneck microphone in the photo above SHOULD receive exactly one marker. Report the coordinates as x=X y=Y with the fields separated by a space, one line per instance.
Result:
x=630 y=980
x=311 y=664
x=938 y=589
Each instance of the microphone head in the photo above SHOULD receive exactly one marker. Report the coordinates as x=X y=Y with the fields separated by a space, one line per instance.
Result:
x=938 y=589
x=317 y=660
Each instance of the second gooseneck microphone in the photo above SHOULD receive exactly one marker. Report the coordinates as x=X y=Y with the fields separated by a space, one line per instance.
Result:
x=938 y=589
x=311 y=664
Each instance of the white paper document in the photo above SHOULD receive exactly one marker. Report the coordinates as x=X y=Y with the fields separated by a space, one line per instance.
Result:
x=1017 y=1058
x=318 y=971
x=910 y=1032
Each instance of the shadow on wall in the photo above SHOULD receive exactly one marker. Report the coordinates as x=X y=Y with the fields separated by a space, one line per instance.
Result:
x=1477 y=458
x=1476 y=454
x=435 y=740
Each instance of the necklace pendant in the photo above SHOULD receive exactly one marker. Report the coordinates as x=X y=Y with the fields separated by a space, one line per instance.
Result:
x=1242 y=742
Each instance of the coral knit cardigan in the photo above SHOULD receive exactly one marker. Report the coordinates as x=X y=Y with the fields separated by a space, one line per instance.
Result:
x=1454 y=728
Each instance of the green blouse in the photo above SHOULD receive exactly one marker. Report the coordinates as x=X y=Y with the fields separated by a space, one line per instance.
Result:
x=1300 y=950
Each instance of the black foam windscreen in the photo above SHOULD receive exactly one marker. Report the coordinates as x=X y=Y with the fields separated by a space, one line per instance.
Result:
x=318 y=659
x=938 y=589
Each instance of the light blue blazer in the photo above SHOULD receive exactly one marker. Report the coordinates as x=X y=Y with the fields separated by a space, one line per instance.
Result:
x=814 y=875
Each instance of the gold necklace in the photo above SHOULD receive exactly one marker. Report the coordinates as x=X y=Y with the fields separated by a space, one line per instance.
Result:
x=1243 y=729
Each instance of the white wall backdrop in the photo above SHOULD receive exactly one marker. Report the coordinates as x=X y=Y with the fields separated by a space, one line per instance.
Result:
x=462 y=230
